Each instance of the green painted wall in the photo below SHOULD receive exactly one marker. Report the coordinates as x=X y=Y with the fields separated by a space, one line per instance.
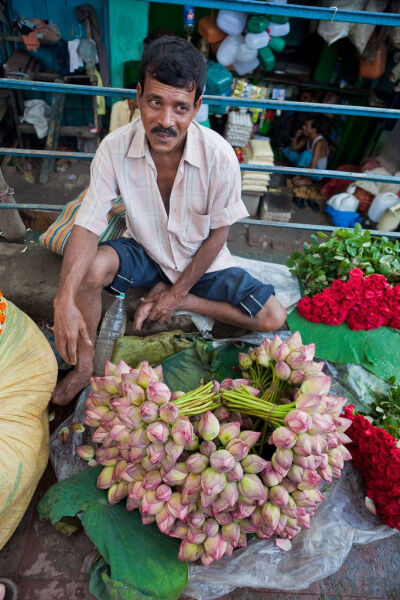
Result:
x=128 y=27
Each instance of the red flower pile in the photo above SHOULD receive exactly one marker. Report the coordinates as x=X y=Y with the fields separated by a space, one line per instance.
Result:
x=375 y=454
x=363 y=302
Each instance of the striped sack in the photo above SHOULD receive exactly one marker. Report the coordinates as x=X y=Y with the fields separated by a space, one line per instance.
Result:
x=56 y=236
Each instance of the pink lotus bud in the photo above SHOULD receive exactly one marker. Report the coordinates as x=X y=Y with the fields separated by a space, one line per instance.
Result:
x=238 y=449
x=289 y=485
x=206 y=561
x=117 y=492
x=251 y=487
x=281 y=470
x=242 y=542
x=133 y=472
x=119 y=433
x=313 y=368
x=282 y=524
x=149 y=411
x=322 y=424
x=282 y=370
x=236 y=418
x=271 y=514
x=257 y=519
x=155 y=453
x=146 y=375
x=196 y=537
x=303 y=445
x=136 y=454
x=158 y=432
x=99 y=435
x=167 y=464
x=228 y=432
x=245 y=361
x=309 y=403
x=119 y=466
x=342 y=424
x=107 y=456
x=133 y=392
x=208 y=426
x=110 y=419
x=169 y=412
x=297 y=376
x=222 y=461
x=177 y=475
x=193 y=445
x=253 y=464
x=244 y=383
x=295 y=473
x=196 y=463
x=290 y=509
x=163 y=492
x=158 y=392
x=262 y=357
x=176 y=508
x=182 y=431
x=304 y=498
x=158 y=370
x=269 y=476
x=316 y=384
x=345 y=453
x=309 y=351
x=173 y=450
x=335 y=458
x=283 y=457
x=283 y=544
x=297 y=360
x=282 y=437
x=176 y=395
x=219 y=506
x=96 y=413
x=206 y=501
x=152 y=482
x=250 y=437
x=215 y=547
x=212 y=482
x=110 y=384
x=179 y=530
x=211 y=527
x=216 y=386
x=131 y=377
x=85 y=452
x=326 y=472
x=278 y=495
x=138 y=438
x=274 y=345
x=131 y=417
x=150 y=504
x=164 y=520
x=192 y=486
x=236 y=473
x=231 y=533
x=110 y=368
x=243 y=511
x=310 y=480
x=294 y=341
x=207 y=448
x=298 y=421
x=304 y=521
x=97 y=399
x=343 y=438
x=230 y=494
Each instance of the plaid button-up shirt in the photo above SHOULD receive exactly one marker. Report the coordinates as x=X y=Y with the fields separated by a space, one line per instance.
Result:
x=206 y=195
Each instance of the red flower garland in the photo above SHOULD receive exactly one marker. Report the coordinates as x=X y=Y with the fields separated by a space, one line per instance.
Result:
x=363 y=302
x=375 y=454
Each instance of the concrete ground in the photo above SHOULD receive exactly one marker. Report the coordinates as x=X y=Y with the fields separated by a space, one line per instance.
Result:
x=47 y=565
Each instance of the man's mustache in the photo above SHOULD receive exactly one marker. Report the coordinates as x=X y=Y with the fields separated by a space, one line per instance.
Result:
x=164 y=130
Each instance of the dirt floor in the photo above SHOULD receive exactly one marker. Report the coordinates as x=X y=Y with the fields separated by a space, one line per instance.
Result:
x=47 y=565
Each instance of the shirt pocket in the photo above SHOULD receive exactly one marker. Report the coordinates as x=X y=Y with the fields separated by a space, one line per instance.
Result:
x=197 y=228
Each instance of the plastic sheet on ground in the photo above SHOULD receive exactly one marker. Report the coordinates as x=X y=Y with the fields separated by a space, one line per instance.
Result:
x=341 y=521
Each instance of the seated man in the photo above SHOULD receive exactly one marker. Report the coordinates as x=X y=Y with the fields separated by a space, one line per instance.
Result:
x=181 y=186
x=308 y=149
x=123 y=112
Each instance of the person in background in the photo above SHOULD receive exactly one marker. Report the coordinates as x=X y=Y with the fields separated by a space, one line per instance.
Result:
x=123 y=112
x=309 y=149
x=181 y=186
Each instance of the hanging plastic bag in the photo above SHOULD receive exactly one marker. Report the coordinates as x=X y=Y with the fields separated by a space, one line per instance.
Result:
x=345 y=202
x=37 y=114
x=361 y=33
x=332 y=31
x=380 y=203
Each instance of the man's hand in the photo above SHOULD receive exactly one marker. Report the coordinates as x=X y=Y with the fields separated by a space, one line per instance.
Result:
x=68 y=325
x=159 y=305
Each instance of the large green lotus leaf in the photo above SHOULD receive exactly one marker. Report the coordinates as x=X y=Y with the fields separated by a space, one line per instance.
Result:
x=377 y=350
x=139 y=556
x=185 y=370
x=153 y=348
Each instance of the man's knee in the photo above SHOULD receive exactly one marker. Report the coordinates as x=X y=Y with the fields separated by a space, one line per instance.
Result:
x=271 y=317
x=103 y=269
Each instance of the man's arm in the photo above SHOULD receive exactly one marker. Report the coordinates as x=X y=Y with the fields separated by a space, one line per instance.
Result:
x=166 y=302
x=68 y=322
x=317 y=154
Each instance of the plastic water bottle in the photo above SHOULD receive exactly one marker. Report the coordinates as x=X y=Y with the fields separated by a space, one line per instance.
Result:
x=188 y=21
x=112 y=328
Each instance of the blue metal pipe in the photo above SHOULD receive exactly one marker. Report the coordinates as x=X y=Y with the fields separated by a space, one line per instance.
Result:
x=309 y=107
x=300 y=226
x=297 y=10
x=243 y=166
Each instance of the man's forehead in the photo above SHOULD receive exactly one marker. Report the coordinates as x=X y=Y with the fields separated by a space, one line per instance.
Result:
x=153 y=87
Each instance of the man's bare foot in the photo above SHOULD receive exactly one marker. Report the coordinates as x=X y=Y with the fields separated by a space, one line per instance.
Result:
x=70 y=386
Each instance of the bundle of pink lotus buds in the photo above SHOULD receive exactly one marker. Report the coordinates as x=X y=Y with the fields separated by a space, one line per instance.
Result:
x=184 y=461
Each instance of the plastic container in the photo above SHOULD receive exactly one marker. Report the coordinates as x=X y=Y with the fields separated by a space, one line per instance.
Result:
x=257 y=40
x=277 y=44
x=209 y=29
x=267 y=58
x=218 y=79
x=245 y=54
x=257 y=24
x=390 y=219
x=242 y=68
x=380 y=203
x=202 y=115
x=189 y=20
x=112 y=328
x=226 y=53
x=376 y=68
x=281 y=19
x=278 y=29
x=232 y=22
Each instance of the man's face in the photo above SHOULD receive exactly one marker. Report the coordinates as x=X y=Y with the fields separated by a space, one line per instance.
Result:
x=307 y=128
x=166 y=113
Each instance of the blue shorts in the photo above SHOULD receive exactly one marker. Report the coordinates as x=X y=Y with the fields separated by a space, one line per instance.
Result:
x=233 y=285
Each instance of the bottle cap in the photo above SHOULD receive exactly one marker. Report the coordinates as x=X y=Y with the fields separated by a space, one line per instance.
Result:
x=121 y=295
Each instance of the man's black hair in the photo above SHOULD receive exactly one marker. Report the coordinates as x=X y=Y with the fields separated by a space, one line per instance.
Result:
x=316 y=123
x=174 y=61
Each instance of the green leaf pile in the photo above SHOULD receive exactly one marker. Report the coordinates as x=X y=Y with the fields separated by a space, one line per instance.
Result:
x=346 y=249
x=385 y=411
x=143 y=562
